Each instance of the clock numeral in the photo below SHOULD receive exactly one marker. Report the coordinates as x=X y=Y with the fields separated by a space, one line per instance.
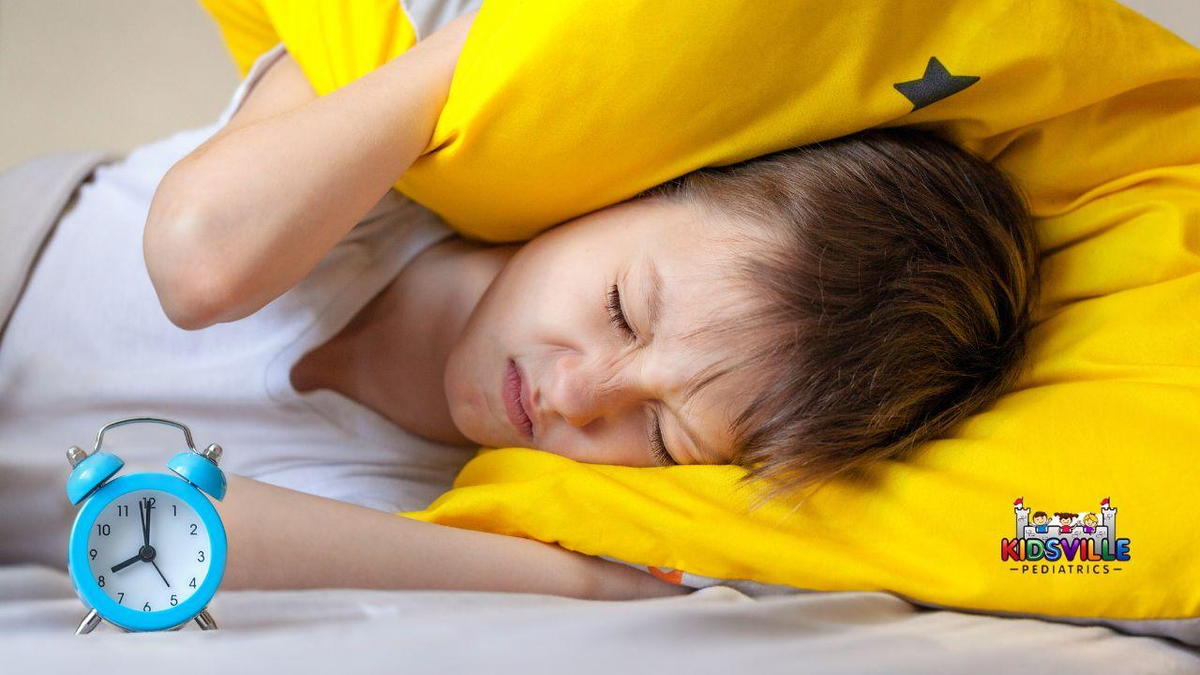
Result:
x=193 y=529
x=174 y=511
x=146 y=607
x=122 y=510
x=193 y=583
x=201 y=557
x=150 y=502
x=174 y=600
x=120 y=598
x=104 y=530
x=92 y=554
x=100 y=580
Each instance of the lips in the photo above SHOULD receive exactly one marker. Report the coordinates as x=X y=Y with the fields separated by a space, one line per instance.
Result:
x=513 y=391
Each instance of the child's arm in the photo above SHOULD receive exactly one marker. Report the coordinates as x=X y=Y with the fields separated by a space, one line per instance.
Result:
x=282 y=87
x=250 y=212
x=280 y=538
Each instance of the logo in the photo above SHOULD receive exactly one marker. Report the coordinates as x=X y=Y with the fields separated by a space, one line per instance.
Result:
x=1065 y=542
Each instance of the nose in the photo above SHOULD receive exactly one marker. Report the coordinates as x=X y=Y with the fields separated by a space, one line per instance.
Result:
x=584 y=391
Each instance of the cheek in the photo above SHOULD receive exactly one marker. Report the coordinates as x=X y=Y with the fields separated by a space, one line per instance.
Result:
x=545 y=296
x=565 y=257
x=622 y=445
x=517 y=293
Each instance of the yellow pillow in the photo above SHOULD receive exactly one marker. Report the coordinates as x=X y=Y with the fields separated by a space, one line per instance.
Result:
x=333 y=41
x=558 y=108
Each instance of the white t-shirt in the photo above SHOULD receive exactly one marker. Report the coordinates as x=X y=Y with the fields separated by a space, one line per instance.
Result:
x=88 y=344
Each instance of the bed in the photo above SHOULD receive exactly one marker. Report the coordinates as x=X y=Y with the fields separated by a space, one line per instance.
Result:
x=716 y=630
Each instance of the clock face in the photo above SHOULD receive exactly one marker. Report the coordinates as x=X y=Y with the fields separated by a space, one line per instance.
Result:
x=148 y=550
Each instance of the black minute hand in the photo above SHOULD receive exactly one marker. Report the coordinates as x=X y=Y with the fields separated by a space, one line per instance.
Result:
x=144 y=512
x=160 y=573
x=146 y=533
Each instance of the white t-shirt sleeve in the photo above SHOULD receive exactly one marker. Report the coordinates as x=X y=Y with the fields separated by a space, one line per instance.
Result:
x=260 y=66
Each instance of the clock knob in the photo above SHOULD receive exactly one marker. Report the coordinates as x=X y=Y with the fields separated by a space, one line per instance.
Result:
x=212 y=453
x=75 y=455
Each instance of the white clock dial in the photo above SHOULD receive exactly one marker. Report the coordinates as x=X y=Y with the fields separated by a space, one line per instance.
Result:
x=155 y=577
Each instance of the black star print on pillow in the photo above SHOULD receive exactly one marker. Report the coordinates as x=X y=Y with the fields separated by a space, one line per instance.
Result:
x=936 y=84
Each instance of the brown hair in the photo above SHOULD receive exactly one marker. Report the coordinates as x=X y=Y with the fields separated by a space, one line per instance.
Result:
x=894 y=291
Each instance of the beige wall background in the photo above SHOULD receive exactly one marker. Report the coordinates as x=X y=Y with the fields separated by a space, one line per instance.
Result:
x=114 y=74
x=106 y=74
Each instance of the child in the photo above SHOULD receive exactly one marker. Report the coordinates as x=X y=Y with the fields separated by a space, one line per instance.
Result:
x=1090 y=521
x=801 y=314
x=1065 y=521
x=1041 y=522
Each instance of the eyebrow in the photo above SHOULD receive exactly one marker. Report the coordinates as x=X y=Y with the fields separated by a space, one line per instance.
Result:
x=654 y=304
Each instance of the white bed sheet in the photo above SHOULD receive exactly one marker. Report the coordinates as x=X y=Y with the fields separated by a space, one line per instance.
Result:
x=715 y=630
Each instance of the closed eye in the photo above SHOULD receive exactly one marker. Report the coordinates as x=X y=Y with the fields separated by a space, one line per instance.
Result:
x=616 y=313
x=658 y=447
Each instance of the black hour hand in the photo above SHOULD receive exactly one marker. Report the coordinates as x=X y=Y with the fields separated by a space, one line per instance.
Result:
x=122 y=565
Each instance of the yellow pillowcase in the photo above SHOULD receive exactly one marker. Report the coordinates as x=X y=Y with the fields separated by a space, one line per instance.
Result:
x=560 y=108
x=333 y=41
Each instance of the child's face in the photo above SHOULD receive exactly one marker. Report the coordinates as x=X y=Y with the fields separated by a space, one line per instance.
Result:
x=1040 y=520
x=593 y=391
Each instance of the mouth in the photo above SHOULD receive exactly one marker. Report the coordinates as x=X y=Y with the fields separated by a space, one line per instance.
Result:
x=513 y=390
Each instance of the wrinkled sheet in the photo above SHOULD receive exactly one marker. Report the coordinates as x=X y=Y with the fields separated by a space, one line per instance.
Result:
x=715 y=630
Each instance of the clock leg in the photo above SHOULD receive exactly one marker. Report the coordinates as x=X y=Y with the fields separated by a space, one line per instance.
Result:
x=88 y=624
x=205 y=620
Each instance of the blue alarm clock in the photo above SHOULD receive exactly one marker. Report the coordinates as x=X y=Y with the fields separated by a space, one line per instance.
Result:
x=147 y=550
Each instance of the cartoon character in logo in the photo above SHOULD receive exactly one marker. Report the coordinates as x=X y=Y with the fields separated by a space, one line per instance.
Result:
x=1041 y=522
x=1090 y=521
x=1065 y=518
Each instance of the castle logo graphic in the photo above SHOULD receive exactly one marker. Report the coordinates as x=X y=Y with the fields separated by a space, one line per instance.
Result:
x=1065 y=542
